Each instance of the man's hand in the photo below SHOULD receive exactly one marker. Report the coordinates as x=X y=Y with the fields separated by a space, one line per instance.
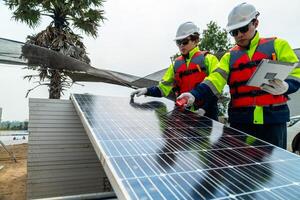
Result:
x=139 y=92
x=276 y=87
x=189 y=97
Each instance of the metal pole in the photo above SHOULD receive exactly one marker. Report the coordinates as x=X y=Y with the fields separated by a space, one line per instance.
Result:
x=11 y=154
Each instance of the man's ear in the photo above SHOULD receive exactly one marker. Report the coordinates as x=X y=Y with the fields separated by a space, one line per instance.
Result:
x=256 y=23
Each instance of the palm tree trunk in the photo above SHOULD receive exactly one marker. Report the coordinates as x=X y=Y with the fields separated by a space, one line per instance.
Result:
x=55 y=86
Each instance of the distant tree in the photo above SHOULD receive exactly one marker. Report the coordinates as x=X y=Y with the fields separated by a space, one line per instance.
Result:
x=14 y=125
x=25 y=125
x=4 y=125
x=216 y=41
x=173 y=58
x=58 y=36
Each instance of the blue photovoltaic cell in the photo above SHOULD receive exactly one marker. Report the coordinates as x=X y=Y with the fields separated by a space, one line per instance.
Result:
x=153 y=151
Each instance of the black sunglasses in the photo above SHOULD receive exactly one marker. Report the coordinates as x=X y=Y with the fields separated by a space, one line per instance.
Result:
x=243 y=29
x=183 y=42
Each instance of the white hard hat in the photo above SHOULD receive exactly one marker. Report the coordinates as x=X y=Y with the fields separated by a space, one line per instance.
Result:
x=186 y=29
x=241 y=15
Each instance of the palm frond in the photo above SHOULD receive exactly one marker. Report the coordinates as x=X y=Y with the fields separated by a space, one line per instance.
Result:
x=27 y=15
x=58 y=36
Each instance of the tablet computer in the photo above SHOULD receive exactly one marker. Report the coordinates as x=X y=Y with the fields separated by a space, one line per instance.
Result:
x=269 y=70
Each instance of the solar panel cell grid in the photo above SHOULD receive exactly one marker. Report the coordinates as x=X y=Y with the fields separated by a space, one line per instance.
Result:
x=154 y=151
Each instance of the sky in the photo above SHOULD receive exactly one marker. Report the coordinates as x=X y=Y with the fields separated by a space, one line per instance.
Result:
x=137 y=38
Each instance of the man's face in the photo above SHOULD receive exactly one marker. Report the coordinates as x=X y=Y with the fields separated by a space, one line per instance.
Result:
x=185 y=45
x=243 y=35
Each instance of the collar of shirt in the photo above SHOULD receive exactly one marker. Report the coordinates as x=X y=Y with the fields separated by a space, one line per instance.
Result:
x=189 y=56
x=253 y=44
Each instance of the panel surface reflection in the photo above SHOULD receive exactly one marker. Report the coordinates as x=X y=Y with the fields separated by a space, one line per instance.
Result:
x=161 y=152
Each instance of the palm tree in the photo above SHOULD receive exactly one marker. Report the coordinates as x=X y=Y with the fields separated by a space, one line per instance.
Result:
x=84 y=15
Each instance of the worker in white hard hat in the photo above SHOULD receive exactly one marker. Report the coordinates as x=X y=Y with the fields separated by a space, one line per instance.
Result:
x=189 y=69
x=258 y=111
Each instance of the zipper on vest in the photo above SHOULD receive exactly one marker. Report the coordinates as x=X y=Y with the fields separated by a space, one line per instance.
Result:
x=274 y=56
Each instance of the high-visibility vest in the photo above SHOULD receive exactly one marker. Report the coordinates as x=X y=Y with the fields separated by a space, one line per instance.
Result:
x=187 y=77
x=241 y=70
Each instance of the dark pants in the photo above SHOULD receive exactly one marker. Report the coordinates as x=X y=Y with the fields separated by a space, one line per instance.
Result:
x=273 y=133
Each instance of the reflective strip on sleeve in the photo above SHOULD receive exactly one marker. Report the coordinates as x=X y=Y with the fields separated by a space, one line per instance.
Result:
x=295 y=74
x=167 y=83
x=223 y=73
x=165 y=89
x=162 y=92
x=212 y=87
x=293 y=78
x=216 y=82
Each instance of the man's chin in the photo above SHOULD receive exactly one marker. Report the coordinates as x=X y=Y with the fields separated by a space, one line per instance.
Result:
x=242 y=43
x=183 y=52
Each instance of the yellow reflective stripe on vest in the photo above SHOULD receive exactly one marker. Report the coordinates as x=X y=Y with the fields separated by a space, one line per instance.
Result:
x=258 y=115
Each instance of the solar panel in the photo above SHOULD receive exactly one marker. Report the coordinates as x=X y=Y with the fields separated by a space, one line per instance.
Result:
x=150 y=150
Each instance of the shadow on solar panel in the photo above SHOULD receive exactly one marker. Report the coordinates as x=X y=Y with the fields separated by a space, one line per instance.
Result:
x=151 y=150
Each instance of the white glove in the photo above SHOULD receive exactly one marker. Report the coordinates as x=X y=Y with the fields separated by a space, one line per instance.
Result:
x=200 y=111
x=139 y=92
x=189 y=97
x=276 y=87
